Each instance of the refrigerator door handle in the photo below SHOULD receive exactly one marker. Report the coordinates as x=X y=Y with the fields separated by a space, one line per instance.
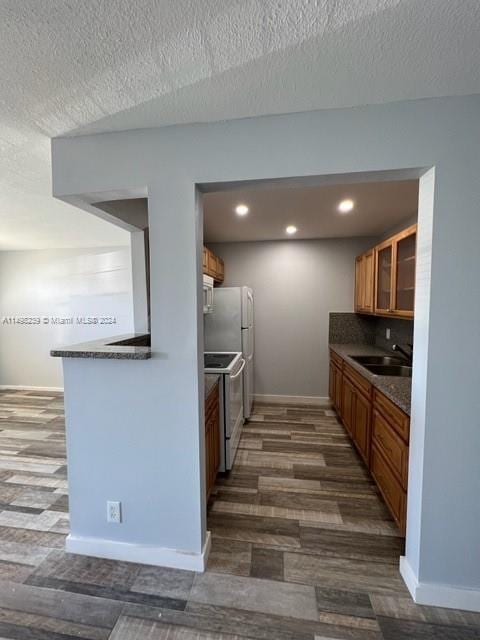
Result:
x=249 y=308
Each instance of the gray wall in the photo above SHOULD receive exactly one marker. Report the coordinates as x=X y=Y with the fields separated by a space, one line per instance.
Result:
x=59 y=283
x=296 y=284
x=141 y=295
x=439 y=136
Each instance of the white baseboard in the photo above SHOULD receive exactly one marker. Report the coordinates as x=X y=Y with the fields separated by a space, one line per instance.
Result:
x=438 y=595
x=306 y=400
x=143 y=554
x=21 y=387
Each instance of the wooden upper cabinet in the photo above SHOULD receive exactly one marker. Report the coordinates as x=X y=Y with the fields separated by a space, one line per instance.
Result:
x=359 y=284
x=369 y=281
x=385 y=277
x=220 y=270
x=364 y=282
x=213 y=266
x=404 y=272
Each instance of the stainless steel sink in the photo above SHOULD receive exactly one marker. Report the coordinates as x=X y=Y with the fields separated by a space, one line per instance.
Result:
x=382 y=360
x=400 y=370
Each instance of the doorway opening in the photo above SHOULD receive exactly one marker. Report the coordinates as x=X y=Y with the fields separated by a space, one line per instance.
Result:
x=321 y=467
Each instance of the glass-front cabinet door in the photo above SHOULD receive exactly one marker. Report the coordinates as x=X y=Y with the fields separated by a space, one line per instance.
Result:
x=369 y=281
x=404 y=291
x=384 y=258
x=395 y=274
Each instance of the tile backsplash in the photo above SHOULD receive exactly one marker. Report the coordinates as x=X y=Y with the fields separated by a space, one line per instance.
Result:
x=354 y=328
x=401 y=332
x=347 y=328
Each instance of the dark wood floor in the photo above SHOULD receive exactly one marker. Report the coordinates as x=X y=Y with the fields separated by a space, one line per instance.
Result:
x=303 y=547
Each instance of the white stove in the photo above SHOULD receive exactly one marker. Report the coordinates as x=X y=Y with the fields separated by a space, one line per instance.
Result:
x=229 y=365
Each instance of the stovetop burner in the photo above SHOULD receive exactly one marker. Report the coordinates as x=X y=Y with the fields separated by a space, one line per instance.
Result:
x=218 y=360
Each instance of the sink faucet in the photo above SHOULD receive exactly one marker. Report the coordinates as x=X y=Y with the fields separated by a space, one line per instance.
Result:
x=408 y=356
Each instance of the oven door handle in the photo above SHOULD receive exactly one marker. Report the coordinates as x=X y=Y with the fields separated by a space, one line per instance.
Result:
x=239 y=371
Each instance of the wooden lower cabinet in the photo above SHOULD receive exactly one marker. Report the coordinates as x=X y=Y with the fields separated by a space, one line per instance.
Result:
x=362 y=422
x=391 y=489
x=379 y=430
x=335 y=387
x=348 y=403
x=338 y=392
x=331 y=382
x=356 y=416
x=394 y=416
x=391 y=446
x=360 y=383
x=212 y=438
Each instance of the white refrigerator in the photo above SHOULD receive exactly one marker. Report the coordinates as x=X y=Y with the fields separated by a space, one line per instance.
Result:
x=230 y=328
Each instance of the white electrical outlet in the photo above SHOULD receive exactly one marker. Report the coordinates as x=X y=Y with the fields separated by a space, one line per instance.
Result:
x=387 y=334
x=114 y=512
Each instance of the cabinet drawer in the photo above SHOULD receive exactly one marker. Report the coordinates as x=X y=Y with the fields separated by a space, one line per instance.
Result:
x=392 y=491
x=394 y=416
x=359 y=381
x=393 y=448
x=336 y=358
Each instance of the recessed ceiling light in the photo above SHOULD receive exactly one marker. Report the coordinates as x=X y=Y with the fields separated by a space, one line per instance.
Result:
x=241 y=209
x=291 y=229
x=346 y=205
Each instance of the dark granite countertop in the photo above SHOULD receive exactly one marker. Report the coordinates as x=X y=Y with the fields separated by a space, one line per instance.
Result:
x=211 y=380
x=133 y=346
x=397 y=389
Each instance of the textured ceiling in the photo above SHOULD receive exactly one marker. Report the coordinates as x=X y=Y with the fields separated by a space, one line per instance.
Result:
x=78 y=66
x=379 y=206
